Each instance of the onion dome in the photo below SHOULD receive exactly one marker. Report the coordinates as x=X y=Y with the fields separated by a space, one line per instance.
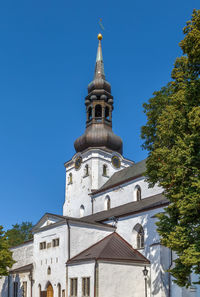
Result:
x=99 y=107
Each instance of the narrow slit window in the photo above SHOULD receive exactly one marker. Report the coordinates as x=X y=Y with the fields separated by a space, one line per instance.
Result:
x=107 y=113
x=140 y=238
x=86 y=173
x=89 y=113
x=70 y=178
x=107 y=203
x=105 y=170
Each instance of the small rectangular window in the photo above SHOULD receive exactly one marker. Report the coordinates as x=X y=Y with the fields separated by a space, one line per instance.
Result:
x=63 y=293
x=85 y=286
x=24 y=289
x=73 y=287
x=43 y=245
x=48 y=245
x=55 y=242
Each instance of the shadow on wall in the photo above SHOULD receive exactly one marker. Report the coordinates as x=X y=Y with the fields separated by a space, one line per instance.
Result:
x=158 y=255
x=4 y=291
x=13 y=279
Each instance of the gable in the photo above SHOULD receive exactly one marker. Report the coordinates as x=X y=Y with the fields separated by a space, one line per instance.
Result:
x=46 y=220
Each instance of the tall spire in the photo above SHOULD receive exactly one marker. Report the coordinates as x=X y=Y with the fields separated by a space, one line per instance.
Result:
x=99 y=67
x=99 y=107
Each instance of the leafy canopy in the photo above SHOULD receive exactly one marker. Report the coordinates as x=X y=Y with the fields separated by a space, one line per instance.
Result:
x=19 y=233
x=172 y=138
x=6 y=260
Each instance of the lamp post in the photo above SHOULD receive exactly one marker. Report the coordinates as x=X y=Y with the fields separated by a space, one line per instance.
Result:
x=145 y=272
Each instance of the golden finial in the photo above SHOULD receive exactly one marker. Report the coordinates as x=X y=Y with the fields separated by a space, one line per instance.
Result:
x=100 y=36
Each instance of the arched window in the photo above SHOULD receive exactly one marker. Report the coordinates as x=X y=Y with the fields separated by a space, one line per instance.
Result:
x=70 y=178
x=89 y=113
x=107 y=113
x=86 y=173
x=82 y=210
x=59 y=290
x=49 y=270
x=105 y=171
x=39 y=289
x=98 y=111
x=137 y=193
x=139 y=236
x=107 y=203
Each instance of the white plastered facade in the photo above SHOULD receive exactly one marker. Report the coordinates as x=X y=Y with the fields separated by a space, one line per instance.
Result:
x=83 y=235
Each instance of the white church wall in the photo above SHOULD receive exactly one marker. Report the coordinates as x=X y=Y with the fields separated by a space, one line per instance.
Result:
x=120 y=279
x=77 y=189
x=22 y=254
x=124 y=194
x=83 y=237
x=50 y=257
x=79 y=271
x=147 y=220
x=151 y=248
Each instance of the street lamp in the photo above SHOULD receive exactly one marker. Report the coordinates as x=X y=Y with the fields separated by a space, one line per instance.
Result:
x=145 y=272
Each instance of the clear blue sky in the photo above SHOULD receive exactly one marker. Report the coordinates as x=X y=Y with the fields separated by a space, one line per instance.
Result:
x=47 y=57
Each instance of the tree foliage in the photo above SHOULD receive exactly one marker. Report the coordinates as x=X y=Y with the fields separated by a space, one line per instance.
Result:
x=172 y=138
x=19 y=233
x=6 y=260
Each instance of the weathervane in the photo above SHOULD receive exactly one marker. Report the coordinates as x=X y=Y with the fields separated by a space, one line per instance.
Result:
x=101 y=25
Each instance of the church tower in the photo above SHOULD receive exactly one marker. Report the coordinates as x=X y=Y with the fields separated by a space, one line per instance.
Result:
x=98 y=151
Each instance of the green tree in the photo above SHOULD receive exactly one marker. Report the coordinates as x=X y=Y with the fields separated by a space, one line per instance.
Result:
x=6 y=260
x=19 y=233
x=172 y=138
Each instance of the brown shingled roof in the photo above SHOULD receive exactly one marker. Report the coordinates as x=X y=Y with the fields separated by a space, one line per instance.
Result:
x=22 y=269
x=122 y=176
x=111 y=248
x=152 y=202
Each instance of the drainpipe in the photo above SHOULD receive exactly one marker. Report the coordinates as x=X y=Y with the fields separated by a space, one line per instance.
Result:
x=169 y=276
x=69 y=237
x=96 y=277
x=68 y=244
x=66 y=280
x=31 y=280
x=92 y=201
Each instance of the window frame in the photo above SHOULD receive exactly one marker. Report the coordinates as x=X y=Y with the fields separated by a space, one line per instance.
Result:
x=73 y=287
x=43 y=245
x=105 y=170
x=85 y=286
x=107 y=203
x=55 y=242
